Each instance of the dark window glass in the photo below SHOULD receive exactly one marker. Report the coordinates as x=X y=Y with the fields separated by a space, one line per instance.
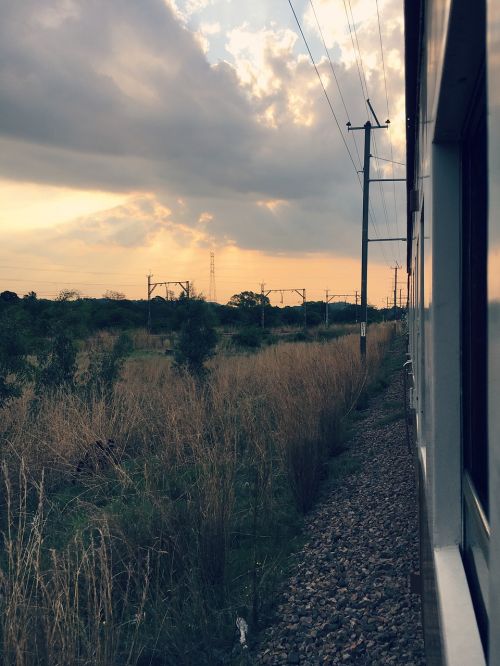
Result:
x=474 y=301
x=474 y=355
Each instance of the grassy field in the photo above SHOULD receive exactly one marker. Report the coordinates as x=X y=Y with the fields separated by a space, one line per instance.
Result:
x=146 y=547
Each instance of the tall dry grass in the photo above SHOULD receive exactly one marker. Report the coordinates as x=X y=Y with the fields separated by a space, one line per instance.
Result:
x=148 y=556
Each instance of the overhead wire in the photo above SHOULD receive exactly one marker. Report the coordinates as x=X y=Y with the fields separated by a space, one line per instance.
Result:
x=372 y=215
x=366 y=96
x=336 y=81
x=324 y=90
x=396 y=216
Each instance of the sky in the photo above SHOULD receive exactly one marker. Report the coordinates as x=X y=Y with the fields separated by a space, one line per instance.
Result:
x=139 y=137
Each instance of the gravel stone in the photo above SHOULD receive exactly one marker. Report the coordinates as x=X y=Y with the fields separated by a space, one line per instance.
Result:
x=348 y=600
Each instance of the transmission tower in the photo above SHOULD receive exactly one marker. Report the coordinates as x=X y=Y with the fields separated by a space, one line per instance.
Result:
x=212 y=294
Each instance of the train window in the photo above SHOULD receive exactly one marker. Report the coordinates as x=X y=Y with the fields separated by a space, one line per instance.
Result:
x=474 y=352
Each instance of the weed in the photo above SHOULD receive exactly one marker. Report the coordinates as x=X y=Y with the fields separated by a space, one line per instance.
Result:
x=152 y=556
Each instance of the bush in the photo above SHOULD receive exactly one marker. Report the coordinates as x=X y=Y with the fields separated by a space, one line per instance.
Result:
x=14 y=367
x=105 y=365
x=249 y=337
x=58 y=368
x=197 y=338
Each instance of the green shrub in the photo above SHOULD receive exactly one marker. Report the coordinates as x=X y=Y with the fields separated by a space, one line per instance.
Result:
x=249 y=337
x=197 y=338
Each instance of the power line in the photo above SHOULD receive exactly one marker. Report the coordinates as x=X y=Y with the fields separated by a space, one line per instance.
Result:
x=65 y=270
x=356 y=58
x=384 y=159
x=364 y=90
x=372 y=215
x=336 y=80
x=388 y=115
x=7 y=278
x=324 y=90
x=364 y=93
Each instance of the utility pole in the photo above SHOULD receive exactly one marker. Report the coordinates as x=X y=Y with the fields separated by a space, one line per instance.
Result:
x=183 y=284
x=329 y=299
x=356 y=311
x=264 y=293
x=149 y=302
x=262 y=296
x=395 y=269
x=368 y=127
x=212 y=294
x=364 y=242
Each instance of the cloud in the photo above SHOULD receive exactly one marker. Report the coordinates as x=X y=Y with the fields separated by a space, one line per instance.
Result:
x=120 y=97
x=138 y=223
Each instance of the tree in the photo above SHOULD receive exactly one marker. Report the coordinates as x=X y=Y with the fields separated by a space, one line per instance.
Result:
x=197 y=338
x=248 y=300
x=9 y=296
x=68 y=295
x=14 y=367
x=113 y=295
x=59 y=367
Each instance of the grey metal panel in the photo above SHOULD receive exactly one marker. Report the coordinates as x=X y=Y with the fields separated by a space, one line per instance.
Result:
x=493 y=68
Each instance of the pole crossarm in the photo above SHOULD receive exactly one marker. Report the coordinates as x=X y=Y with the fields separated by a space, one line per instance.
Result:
x=300 y=292
x=184 y=284
x=383 y=240
x=352 y=129
x=266 y=292
x=387 y=180
x=330 y=297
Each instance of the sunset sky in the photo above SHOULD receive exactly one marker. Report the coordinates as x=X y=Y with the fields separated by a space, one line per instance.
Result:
x=138 y=136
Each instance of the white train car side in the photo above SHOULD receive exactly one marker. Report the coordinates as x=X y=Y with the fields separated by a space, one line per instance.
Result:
x=453 y=171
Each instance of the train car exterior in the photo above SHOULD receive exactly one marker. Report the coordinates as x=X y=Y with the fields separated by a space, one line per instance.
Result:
x=453 y=216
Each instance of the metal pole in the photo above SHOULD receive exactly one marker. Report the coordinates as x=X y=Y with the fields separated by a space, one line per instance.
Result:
x=262 y=304
x=305 y=307
x=326 y=309
x=395 y=289
x=364 y=243
x=149 y=303
x=356 y=311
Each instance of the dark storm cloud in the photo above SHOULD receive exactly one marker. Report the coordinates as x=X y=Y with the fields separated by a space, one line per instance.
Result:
x=118 y=96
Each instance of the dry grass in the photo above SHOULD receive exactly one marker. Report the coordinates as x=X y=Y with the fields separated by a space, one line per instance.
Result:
x=155 y=552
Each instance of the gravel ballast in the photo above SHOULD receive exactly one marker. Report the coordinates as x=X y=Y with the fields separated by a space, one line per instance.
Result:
x=348 y=600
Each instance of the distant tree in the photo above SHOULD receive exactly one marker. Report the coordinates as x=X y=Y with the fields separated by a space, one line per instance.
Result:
x=9 y=296
x=68 y=295
x=30 y=296
x=248 y=300
x=112 y=295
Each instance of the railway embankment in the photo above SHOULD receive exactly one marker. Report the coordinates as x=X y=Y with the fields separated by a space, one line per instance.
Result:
x=348 y=600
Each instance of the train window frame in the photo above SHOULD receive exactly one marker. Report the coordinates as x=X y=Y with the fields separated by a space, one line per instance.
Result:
x=473 y=362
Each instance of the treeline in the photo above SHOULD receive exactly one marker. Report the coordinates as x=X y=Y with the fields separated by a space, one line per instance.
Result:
x=81 y=317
